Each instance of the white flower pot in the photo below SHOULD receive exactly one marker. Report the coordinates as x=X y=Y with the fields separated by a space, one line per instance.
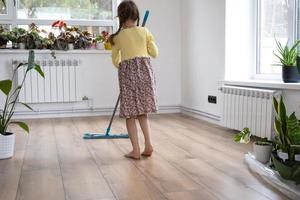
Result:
x=262 y=153
x=71 y=46
x=7 y=146
x=22 y=45
x=100 y=46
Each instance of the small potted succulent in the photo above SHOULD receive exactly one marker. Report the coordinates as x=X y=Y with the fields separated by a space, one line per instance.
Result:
x=4 y=37
x=262 y=148
x=11 y=92
x=288 y=60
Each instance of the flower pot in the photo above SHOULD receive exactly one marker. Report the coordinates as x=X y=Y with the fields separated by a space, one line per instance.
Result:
x=22 y=45
x=7 y=145
x=38 y=45
x=15 y=45
x=100 y=46
x=71 y=46
x=289 y=171
x=290 y=74
x=262 y=153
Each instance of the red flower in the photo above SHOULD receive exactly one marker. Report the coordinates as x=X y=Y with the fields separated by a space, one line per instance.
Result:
x=59 y=23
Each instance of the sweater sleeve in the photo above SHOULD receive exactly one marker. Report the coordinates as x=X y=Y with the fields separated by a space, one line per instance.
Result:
x=151 y=46
x=116 y=55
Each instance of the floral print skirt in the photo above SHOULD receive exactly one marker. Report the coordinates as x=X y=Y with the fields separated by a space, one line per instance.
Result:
x=137 y=88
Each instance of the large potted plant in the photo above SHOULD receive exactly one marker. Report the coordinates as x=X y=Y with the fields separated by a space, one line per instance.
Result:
x=7 y=139
x=288 y=59
x=262 y=148
x=287 y=129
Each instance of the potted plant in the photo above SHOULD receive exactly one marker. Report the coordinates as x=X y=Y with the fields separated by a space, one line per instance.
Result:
x=71 y=39
x=7 y=139
x=287 y=140
x=4 y=37
x=47 y=43
x=262 y=148
x=18 y=37
x=288 y=59
x=33 y=38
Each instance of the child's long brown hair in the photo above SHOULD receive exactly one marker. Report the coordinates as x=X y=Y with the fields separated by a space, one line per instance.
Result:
x=127 y=10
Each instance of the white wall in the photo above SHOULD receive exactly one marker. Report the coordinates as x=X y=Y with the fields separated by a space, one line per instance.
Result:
x=203 y=44
x=98 y=76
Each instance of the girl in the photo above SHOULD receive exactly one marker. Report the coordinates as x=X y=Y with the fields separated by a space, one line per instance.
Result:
x=131 y=47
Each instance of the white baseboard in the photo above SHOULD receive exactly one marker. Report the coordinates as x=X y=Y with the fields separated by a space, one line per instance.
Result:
x=83 y=112
x=215 y=119
x=87 y=112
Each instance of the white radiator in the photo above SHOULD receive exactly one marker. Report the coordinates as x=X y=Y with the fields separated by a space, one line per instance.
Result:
x=59 y=85
x=248 y=107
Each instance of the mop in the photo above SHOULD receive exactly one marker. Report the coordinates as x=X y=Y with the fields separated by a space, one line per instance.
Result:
x=107 y=134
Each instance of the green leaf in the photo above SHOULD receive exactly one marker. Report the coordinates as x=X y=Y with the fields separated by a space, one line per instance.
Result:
x=5 y=86
x=282 y=111
x=39 y=70
x=22 y=125
x=243 y=136
x=275 y=105
x=26 y=105
x=293 y=128
x=31 y=63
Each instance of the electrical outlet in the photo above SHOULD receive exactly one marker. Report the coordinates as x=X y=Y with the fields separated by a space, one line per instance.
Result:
x=212 y=99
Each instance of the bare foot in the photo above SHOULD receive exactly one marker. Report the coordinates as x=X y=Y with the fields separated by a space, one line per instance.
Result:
x=148 y=151
x=133 y=155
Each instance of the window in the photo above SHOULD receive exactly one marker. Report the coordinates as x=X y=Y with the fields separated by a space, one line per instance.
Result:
x=3 y=7
x=91 y=15
x=276 y=19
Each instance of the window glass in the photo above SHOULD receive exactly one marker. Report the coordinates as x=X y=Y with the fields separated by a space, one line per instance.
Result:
x=273 y=24
x=3 y=8
x=65 y=9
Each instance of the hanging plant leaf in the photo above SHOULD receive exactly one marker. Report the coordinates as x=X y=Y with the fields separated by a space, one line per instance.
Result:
x=5 y=86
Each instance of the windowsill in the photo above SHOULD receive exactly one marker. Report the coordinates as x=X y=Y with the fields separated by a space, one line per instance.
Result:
x=47 y=51
x=273 y=84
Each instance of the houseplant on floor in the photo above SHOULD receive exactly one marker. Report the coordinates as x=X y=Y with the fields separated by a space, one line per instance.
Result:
x=288 y=59
x=262 y=148
x=11 y=92
x=287 y=129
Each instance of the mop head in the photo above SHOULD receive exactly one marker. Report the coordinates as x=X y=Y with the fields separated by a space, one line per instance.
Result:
x=89 y=136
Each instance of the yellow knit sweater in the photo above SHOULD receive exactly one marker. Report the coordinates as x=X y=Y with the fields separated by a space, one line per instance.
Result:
x=131 y=43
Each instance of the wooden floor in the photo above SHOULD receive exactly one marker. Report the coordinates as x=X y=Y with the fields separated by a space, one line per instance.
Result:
x=192 y=160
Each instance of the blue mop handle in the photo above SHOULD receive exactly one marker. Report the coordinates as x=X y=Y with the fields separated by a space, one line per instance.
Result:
x=145 y=17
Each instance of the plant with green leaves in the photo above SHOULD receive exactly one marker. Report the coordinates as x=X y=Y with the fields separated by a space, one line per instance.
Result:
x=4 y=36
x=244 y=137
x=286 y=55
x=12 y=95
x=287 y=129
x=18 y=35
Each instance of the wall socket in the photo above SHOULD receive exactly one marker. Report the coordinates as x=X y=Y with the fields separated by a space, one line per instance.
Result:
x=212 y=99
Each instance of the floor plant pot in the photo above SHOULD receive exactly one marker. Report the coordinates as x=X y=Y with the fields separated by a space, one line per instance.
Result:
x=262 y=153
x=288 y=171
x=7 y=145
x=290 y=74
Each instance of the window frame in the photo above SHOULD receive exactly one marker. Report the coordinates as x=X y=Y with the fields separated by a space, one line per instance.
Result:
x=292 y=35
x=11 y=18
